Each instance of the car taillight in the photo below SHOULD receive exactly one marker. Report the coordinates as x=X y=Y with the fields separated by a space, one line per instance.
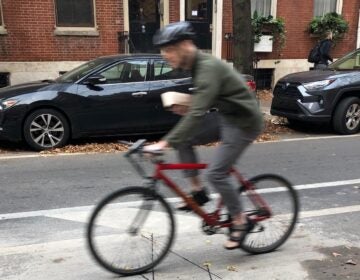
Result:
x=251 y=84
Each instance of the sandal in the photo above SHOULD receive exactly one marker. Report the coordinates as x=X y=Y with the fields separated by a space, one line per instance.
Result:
x=200 y=197
x=240 y=232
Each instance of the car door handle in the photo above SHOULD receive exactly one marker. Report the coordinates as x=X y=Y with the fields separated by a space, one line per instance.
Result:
x=192 y=88
x=139 y=93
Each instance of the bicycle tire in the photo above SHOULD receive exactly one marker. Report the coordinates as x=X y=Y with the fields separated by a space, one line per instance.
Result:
x=103 y=236
x=276 y=187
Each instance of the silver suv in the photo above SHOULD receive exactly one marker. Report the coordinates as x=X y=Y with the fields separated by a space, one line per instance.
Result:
x=331 y=95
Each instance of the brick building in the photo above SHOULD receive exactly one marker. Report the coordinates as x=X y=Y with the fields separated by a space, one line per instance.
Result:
x=39 y=39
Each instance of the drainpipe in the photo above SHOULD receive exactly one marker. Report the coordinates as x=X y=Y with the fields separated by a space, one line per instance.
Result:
x=358 y=33
x=126 y=25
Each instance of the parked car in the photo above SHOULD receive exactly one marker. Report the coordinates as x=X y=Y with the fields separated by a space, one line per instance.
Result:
x=331 y=95
x=112 y=95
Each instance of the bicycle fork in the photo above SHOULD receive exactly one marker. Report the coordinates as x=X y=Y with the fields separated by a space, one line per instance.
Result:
x=145 y=208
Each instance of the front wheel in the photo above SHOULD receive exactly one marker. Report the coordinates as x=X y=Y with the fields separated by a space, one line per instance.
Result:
x=46 y=129
x=131 y=231
x=274 y=223
x=346 y=118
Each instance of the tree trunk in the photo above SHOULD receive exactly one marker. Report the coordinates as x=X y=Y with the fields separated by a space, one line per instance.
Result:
x=243 y=36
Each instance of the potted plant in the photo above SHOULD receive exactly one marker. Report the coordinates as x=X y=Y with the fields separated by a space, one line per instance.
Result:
x=267 y=29
x=329 y=22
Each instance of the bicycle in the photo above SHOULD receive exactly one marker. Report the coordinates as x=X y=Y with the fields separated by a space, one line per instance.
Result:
x=141 y=220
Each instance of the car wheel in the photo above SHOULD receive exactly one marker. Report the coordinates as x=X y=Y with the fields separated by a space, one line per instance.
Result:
x=346 y=118
x=46 y=129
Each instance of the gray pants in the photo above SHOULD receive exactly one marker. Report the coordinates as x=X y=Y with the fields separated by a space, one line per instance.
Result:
x=234 y=141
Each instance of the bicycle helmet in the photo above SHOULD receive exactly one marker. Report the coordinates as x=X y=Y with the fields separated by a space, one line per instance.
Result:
x=173 y=33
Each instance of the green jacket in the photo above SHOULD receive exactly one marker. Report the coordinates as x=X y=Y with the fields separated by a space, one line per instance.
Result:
x=219 y=86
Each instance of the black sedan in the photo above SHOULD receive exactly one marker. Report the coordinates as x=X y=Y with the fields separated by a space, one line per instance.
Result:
x=112 y=95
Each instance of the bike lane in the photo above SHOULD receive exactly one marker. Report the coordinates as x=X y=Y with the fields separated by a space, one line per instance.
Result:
x=51 y=244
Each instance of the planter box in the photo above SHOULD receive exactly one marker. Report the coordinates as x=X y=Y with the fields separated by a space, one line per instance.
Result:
x=265 y=44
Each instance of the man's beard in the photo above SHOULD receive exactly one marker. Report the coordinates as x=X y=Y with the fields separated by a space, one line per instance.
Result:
x=184 y=63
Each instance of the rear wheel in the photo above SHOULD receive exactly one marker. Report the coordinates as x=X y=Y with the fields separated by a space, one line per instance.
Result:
x=271 y=229
x=346 y=118
x=131 y=231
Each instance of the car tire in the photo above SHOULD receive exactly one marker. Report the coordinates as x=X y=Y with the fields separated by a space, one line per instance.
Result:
x=346 y=119
x=46 y=129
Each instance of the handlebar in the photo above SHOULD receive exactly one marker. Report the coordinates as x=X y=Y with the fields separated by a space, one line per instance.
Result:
x=138 y=148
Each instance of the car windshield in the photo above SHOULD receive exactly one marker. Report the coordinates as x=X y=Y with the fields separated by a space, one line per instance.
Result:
x=82 y=70
x=350 y=61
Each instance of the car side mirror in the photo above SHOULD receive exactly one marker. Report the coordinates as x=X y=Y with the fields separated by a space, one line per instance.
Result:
x=95 y=80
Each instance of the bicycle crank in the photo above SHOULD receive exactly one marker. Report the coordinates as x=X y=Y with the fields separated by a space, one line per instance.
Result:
x=209 y=230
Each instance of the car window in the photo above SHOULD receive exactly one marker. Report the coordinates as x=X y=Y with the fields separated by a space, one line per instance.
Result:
x=349 y=62
x=163 y=71
x=126 y=72
x=82 y=70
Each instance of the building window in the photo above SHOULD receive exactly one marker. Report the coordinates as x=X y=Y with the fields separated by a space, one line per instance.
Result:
x=262 y=7
x=322 y=7
x=74 y=13
x=264 y=78
x=196 y=10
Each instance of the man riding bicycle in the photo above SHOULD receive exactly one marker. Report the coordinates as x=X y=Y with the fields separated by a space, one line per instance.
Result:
x=236 y=122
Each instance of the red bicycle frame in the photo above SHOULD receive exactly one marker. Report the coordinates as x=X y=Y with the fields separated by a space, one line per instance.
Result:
x=212 y=219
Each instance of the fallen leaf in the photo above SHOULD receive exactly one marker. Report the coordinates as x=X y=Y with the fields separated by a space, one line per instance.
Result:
x=264 y=95
x=336 y=254
x=231 y=268
x=351 y=262
x=207 y=264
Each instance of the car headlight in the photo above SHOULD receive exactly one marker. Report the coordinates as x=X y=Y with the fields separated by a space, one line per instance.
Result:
x=318 y=84
x=8 y=103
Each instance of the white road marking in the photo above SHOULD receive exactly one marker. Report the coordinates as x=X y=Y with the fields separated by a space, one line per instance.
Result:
x=50 y=212
x=36 y=155
x=310 y=138
x=329 y=211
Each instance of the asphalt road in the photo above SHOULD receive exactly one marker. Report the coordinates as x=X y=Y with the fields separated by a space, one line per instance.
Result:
x=40 y=182
x=42 y=197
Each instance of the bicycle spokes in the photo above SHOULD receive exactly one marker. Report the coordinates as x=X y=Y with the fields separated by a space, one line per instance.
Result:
x=131 y=231
x=271 y=204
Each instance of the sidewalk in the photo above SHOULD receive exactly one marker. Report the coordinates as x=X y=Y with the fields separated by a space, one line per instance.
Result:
x=265 y=106
x=194 y=255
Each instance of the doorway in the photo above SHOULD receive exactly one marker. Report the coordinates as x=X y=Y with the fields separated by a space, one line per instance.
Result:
x=144 y=20
x=199 y=13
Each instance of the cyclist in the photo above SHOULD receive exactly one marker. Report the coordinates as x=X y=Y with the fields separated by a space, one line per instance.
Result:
x=236 y=124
